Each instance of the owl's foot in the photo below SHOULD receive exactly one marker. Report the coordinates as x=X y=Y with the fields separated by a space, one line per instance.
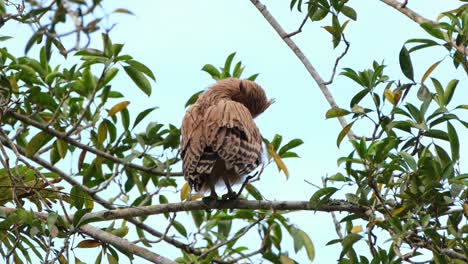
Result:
x=229 y=196
x=212 y=199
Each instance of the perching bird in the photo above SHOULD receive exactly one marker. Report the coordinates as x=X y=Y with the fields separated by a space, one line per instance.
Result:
x=220 y=140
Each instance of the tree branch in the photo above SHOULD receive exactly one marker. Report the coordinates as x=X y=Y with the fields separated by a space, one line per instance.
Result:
x=64 y=137
x=97 y=198
x=107 y=238
x=310 y=68
x=402 y=8
x=124 y=244
x=330 y=206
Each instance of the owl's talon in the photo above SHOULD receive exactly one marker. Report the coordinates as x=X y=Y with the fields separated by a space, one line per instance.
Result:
x=210 y=200
x=229 y=196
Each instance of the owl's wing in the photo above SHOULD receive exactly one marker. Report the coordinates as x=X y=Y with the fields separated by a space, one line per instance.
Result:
x=231 y=133
x=193 y=141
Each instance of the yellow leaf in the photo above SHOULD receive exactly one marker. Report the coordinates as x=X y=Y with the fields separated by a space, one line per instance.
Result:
x=46 y=116
x=118 y=107
x=121 y=231
x=356 y=229
x=62 y=260
x=88 y=243
x=389 y=96
x=286 y=260
x=429 y=71
x=279 y=162
x=398 y=211
x=185 y=192
x=102 y=132
x=397 y=96
x=465 y=208
x=196 y=197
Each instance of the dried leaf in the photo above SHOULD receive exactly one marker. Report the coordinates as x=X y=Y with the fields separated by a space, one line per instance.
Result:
x=398 y=211
x=88 y=243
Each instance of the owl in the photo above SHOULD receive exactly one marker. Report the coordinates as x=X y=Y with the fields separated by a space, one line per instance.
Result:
x=219 y=138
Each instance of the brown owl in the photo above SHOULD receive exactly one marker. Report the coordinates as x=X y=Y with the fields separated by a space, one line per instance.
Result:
x=220 y=140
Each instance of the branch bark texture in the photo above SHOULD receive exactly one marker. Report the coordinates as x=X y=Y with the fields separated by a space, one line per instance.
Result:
x=331 y=206
x=418 y=19
x=307 y=64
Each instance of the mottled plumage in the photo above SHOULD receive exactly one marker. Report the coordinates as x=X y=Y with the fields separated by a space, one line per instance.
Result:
x=220 y=140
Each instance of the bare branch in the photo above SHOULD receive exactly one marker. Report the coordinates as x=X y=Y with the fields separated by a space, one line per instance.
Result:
x=402 y=8
x=330 y=206
x=299 y=30
x=337 y=61
x=307 y=64
x=244 y=231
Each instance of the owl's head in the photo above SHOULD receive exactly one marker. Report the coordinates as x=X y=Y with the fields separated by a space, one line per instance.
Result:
x=253 y=97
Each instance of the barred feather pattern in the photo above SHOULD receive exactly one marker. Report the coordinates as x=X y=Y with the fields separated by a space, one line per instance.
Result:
x=219 y=135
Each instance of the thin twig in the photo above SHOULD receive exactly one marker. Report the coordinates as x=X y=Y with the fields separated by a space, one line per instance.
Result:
x=299 y=30
x=215 y=247
x=337 y=61
x=307 y=64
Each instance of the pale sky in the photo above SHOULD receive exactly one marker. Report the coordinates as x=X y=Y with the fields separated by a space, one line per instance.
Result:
x=176 y=38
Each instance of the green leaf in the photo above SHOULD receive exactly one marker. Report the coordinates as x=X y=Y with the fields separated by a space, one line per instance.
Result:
x=348 y=242
x=109 y=75
x=102 y=132
x=3 y=38
x=319 y=14
x=309 y=246
x=141 y=67
x=336 y=112
x=193 y=98
x=405 y=63
x=343 y=133
x=62 y=148
x=435 y=133
x=60 y=47
x=212 y=71
x=409 y=160
x=349 y=12
x=78 y=196
x=358 y=97
x=433 y=30
x=290 y=145
x=227 y=64
x=253 y=191
x=125 y=114
x=139 y=79
x=317 y=200
x=423 y=93
x=454 y=142
x=180 y=228
x=37 y=142
x=253 y=77
x=449 y=90
x=142 y=115
x=36 y=38
x=198 y=217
